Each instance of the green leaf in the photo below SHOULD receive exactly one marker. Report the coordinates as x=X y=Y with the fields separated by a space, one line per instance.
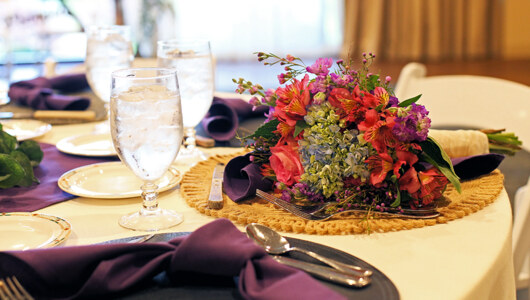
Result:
x=24 y=162
x=434 y=154
x=409 y=101
x=372 y=82
x=8 y=142
x=265 y=130
x=10 y=166
x=33 y=151
x=299 y=127
x=396 y=202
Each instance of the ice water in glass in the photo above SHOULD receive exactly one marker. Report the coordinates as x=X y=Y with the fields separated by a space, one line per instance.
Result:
x=109 y=48
x=193 y=62
x=146 y=128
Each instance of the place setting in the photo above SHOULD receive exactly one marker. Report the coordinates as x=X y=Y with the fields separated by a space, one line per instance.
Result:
x=337 y=155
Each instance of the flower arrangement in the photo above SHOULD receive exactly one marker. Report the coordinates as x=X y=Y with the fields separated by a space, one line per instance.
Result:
x=341 y=135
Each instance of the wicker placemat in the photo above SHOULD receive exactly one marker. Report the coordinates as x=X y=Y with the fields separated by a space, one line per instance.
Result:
x=195 y=188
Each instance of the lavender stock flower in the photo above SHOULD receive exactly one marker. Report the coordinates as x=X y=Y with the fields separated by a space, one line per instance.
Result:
x=412 y=126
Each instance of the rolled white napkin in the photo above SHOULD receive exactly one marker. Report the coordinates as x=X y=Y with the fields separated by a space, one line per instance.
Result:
x=460 y=143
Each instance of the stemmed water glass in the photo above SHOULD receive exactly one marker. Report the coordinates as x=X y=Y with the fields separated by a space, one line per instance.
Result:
x=193 y=61
x=146 y=129
x=109 y=48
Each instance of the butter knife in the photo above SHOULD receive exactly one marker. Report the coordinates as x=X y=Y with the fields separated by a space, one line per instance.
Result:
x=325 y=273
x=58 y=116
x=215 y=199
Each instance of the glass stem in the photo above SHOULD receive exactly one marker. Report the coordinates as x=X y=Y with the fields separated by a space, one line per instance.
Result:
x=189 y=138
x=150 y=200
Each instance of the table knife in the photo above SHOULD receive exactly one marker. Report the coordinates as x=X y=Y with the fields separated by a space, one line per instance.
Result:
x=325 y=273
x=215 y=199
x=59 y=115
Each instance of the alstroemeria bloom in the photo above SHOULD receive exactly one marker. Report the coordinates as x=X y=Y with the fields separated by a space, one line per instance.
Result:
x=286 y=164
x=379 y=166
x=409 y=181
x=378 y=130
x=291 y=103
x=433 y=183
x=348 y=103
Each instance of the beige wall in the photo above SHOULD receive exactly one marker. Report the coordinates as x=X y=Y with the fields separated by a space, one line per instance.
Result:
x=516 y=29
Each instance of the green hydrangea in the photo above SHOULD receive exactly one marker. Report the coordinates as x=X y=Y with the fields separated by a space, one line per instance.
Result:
x=330 y=152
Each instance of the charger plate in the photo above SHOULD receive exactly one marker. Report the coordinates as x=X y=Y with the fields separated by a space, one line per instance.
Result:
x=195 y=188
x=226 y=288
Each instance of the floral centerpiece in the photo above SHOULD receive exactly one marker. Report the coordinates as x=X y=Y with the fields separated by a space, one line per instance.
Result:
x=341 y=135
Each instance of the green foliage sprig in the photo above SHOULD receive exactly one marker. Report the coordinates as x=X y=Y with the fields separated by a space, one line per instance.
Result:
x=17 y=161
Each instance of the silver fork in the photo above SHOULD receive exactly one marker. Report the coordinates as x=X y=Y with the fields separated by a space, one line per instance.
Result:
x=11 y=289
x=318 y=212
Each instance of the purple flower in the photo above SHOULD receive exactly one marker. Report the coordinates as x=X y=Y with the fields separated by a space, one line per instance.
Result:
x=254 y=101
x=320 y=84
x=341 y=81
x=270 y=114
x=413 y=126
x=321 y=66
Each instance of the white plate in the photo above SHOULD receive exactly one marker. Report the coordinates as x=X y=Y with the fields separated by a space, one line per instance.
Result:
x=23 y=231
x=111 y=180
x=25 y=129
x=88 y=145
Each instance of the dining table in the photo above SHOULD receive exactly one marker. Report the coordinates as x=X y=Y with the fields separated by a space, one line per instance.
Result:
x=467 y=258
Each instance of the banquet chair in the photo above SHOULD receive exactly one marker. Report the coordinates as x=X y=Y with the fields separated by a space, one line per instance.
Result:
x=464 y=101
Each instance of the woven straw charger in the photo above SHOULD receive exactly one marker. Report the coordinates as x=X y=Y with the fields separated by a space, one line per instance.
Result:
x=195 y=188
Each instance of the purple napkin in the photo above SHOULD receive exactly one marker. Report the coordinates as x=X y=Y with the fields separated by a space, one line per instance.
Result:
x=53 y=165
x=470 y=167
x=39 y=93
x=217 y=248
x=241 y=178
x=224 y=115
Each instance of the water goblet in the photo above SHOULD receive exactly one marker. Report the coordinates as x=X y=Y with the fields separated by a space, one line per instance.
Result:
x=146 y=129
x=109 y=48
x=193 y=61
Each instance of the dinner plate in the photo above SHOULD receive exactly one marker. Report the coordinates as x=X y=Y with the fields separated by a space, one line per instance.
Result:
x=92 y=145
x=111 y=180
x=23 y=231
x=226 y=288
x=25 y=129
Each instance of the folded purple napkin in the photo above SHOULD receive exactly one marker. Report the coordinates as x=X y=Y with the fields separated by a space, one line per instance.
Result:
x=242 y=177
x=53 y=166
x=217 y=248
x=224 y=115
x=39 y=93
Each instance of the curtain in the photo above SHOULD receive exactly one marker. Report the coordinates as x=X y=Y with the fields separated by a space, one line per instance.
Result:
x=423 y=30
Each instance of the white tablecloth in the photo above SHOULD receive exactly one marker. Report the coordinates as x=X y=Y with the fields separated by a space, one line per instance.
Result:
x=469 y=258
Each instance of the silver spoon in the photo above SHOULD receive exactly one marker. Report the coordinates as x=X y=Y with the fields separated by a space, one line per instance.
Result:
x=274 y=243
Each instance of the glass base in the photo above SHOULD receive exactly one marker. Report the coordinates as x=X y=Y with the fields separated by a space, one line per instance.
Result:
x=152 y=221
x=191 y=154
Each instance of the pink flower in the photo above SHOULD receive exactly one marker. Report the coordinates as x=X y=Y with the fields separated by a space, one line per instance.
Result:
x=286 y=164
x=321 y=66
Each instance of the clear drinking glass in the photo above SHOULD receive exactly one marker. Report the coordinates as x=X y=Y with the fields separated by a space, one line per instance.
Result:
x=193 y=61
x=109 y=48
x=146 y=129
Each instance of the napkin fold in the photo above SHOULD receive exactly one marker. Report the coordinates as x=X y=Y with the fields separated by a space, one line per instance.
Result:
x=217 y=248
x=47 y=192
x=224 y=115
x=39 y=93
x=242 y=177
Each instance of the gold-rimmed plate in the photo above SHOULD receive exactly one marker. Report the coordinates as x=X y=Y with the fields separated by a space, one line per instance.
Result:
x=23 y=231
x=25 y=129
x=111 y=180
x=92 y=145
